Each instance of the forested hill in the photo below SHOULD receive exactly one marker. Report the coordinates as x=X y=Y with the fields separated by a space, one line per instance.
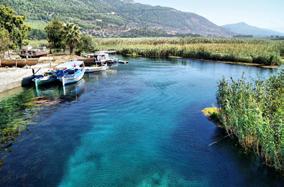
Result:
x=117 y=16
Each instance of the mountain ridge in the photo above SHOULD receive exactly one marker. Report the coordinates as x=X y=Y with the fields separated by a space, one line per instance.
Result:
x=243 y=28
x=117 y=16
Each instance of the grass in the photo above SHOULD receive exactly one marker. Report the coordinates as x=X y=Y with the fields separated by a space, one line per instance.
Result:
x=264 y=52
x=254 y=113
x=35 y=24
x=38 y=43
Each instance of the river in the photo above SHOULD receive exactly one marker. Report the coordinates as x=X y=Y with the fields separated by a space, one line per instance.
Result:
x=137 y=125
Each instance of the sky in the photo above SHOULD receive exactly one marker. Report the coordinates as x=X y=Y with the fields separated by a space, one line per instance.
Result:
x=261 y=13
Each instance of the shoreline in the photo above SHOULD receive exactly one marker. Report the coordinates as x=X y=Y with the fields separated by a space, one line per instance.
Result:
x=17 y=77
x=231 y=63
x=209 y=61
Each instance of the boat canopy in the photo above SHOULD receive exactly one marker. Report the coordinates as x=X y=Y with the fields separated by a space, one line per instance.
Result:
x=70 y=65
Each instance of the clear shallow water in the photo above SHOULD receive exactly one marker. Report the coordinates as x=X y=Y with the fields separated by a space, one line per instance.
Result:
x=139 y=125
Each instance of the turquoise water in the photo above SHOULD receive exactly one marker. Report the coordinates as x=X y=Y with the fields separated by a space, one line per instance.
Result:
x=137 y=125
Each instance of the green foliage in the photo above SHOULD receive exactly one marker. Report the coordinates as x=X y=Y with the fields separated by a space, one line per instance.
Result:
x=38 y=43
x=4 y=40
x=72 y=35
x=60 y=35
x=212 y=113
x=86 y=44
x=254 y=113
x=263 y=52
x=14 y=24
x=36 y=24
x=37 y=31
x=37 y=34
x=14 y=114
x=114 y=14
x=55 y=34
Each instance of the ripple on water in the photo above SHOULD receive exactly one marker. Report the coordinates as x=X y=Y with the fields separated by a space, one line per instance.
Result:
x=137 y=126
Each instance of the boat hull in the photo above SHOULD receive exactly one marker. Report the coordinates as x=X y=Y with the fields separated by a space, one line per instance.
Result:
x=95 y=69
x=40 y=82
x=65 y=80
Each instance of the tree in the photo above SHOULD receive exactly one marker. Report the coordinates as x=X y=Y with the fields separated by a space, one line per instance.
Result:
x=55 y=34
x=5 y=41
x=72 y=36
x=14 y=24
x=86 y=44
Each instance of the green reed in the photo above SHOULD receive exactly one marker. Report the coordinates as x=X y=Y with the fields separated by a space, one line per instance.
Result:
x=264 y=52
x=254 y=113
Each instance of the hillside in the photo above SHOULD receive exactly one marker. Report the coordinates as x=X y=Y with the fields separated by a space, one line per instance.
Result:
x=245 y=29
x=116 y=17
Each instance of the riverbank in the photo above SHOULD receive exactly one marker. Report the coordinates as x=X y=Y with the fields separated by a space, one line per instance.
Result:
x=253 y=113
x=262 y=53
x=13 y=77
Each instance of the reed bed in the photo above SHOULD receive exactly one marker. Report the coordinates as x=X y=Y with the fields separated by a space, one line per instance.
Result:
x=254 y=113
x=263 y=52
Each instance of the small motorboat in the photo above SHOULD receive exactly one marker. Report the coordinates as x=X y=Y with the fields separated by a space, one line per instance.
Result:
x=92 y=69
x=70 y=72
x=102 y=58
x=123 y=62
x=46 y=78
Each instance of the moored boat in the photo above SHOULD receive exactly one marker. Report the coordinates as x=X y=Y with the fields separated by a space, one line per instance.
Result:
x=102 y=58
x=122 y=62
x=29 y=52
x=92 y=69
x=47 y=78
x=70 y=72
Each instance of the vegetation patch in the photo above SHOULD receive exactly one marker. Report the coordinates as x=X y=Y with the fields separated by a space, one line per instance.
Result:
x=258 y=52
x=16 y=113
x=254 y=113
x=211 y=113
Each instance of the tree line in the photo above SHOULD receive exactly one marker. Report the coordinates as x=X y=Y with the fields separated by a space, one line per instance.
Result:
x=62 y=35
x=14 y=33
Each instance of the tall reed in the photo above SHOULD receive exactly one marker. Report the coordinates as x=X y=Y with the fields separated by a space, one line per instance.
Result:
x=264 y=52
x=254 y=113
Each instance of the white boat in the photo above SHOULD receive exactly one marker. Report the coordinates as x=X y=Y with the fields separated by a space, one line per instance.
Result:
x=92 y=69
x=123 y=62
x=102 y=58
x=70 y=72
x=47 y=78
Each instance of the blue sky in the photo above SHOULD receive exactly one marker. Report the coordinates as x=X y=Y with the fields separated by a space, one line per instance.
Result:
x=261 y=13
